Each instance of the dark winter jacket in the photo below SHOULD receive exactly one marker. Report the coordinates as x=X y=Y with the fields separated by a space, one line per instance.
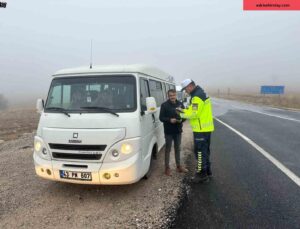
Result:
x=168 y=111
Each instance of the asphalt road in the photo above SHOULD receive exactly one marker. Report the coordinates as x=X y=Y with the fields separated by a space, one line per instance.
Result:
x=248 y=190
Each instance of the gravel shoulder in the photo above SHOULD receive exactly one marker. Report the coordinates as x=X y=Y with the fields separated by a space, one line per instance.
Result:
x=15 y=122
x=27 y=201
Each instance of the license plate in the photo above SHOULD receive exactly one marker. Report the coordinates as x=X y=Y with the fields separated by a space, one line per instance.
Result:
x=75 y=175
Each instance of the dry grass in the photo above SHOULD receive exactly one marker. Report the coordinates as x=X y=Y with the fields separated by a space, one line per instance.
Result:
x=15 y=122
x=283 y=101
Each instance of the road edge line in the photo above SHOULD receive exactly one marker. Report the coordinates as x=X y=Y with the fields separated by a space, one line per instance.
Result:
x=273 y=115
x=272 y=159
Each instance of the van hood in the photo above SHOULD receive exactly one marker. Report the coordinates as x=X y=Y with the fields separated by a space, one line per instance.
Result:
x=90 y=128
x=83 y=133
x=102 y=136
x=79 y=121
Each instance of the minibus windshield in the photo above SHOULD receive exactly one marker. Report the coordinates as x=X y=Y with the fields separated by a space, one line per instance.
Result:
x=114 y=93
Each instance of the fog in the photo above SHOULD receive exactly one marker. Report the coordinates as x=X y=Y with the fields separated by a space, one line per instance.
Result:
x=215 y=43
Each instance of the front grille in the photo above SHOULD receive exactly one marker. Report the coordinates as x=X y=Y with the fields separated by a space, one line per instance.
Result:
x=75 y=166
x=77 y=156
x=77 y=147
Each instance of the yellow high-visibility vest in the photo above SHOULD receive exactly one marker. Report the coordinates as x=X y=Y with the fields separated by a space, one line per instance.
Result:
x=199 y=113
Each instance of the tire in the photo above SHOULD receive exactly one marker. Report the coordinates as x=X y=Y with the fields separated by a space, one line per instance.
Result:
x=148 y=174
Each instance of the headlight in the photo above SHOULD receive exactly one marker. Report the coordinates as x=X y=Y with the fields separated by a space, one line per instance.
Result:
x=44 y=151
x=115 y=153
x=37 y=146
x=123 y=150
x=126 y=148
x=41 y=149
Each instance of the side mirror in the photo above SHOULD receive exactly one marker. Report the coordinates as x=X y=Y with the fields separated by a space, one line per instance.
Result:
x=151 y=105
x=39 y=106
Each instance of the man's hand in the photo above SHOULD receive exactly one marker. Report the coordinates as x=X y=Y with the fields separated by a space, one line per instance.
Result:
x=173 y=120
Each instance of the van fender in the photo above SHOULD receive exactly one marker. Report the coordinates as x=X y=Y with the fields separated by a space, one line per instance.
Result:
x=147 y=159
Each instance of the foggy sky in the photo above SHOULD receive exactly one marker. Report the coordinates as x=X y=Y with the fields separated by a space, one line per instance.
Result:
x=214 y=42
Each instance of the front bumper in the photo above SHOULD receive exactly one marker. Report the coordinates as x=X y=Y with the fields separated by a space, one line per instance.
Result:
x=123 y=172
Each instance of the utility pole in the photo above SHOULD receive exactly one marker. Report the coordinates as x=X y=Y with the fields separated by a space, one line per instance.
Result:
x=91 y=57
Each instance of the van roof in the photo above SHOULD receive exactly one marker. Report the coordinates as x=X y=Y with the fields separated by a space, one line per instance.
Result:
x=135 y=68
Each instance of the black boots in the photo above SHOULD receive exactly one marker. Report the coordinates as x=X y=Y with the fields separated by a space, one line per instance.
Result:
x=200 y=177
x=209 y=173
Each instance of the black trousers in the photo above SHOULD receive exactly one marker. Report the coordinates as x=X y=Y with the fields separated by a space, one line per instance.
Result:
x=177 y=142
x=202 y=150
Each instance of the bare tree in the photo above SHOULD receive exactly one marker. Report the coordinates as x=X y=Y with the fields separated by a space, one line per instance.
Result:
x=3 y=102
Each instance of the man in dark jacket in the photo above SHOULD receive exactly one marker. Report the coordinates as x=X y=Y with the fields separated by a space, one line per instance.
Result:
x=173 y=129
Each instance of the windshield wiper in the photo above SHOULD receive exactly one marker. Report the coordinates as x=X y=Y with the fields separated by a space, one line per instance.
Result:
x=105 y=109
x=61 y=110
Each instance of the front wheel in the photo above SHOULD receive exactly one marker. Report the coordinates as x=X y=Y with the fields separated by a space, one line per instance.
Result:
x=148 y=174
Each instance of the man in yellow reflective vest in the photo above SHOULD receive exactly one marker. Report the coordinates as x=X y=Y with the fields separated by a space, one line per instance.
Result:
x=200 y=116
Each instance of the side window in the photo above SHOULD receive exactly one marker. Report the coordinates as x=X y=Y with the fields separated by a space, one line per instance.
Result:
x=165 y=91
x=172 y=87
x=144 y=93
x=156 y=91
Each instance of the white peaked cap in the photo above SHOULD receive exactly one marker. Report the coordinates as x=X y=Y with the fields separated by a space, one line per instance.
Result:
x=185 y=83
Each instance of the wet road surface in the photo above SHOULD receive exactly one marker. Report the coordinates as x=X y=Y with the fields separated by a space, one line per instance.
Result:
x=247 y=189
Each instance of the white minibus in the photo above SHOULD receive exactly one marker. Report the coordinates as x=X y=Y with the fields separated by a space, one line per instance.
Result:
x=101 y=125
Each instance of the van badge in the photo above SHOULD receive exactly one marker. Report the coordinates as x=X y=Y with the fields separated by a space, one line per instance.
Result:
x=75 y=135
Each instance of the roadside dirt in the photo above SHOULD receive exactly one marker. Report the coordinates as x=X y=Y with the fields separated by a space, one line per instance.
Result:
x=14 y=123
x=27 y=201
x=289 y=101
